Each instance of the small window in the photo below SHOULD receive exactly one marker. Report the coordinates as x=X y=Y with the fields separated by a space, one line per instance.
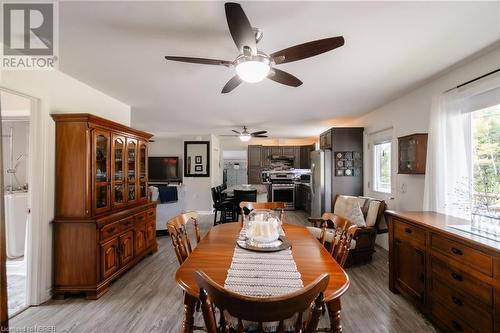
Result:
x=382 y=167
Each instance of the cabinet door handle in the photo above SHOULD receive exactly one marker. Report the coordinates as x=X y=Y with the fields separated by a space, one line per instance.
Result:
x=456 y=251
x=457 y=301
x=408 y=230
x=110 y=230
x=457 y=326
x=457 y=276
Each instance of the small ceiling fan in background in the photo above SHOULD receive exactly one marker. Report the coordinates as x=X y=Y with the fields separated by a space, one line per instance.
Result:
x=253 y=65
x=246 y=135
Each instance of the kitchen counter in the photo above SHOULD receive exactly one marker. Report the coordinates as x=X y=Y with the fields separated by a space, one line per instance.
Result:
x=261 y=189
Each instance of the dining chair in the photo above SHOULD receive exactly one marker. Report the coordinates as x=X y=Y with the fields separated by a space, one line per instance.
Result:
x=180 y=238
x=225 y=207
x=261 y=205
x=240 y=196
x=260 y=310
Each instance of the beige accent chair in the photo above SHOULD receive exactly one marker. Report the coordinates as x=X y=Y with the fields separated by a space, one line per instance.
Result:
x=363 y=243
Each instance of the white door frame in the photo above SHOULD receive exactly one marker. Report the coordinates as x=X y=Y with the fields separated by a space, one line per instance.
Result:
x=34 y=231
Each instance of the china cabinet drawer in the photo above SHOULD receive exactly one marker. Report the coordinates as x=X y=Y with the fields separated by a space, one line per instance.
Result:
x=459 y=280
x=110 y=230
x=409 y=233
x=452 y=321
x=127 y=223
x=462 y=306
x=151 y=214
x=463 y=253
x=139 y=218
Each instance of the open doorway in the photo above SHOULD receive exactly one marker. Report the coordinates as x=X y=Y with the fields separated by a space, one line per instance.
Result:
x=15 y=119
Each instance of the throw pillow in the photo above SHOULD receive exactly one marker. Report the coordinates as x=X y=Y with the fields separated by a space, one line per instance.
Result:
x=355 y=215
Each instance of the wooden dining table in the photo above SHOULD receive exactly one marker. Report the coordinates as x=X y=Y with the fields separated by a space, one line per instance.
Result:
x=214 y=254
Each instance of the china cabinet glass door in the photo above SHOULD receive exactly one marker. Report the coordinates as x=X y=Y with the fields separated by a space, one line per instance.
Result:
x=101 y=181
x=131 y=170
x=118 y=198
x=143 y=171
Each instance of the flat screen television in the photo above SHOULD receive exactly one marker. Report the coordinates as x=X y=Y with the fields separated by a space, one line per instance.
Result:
x=164 y=169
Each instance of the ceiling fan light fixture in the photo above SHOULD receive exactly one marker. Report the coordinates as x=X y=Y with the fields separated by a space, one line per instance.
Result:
x=253 y=69
x=245 y=137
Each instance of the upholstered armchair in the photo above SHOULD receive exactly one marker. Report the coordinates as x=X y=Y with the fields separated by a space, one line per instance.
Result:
x=363 y=244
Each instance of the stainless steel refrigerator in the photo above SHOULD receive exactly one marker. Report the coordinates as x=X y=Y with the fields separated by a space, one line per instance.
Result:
x=321 y=182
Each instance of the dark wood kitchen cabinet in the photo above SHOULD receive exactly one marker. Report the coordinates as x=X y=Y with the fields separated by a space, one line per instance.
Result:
x=325 y=140
x=288 y=151
x=266 y=157
x=260 y=157
x=412 y=154
x=305 y=156
x=254 y=156
x=451 y=276
x=303 y=197
x=101 y=205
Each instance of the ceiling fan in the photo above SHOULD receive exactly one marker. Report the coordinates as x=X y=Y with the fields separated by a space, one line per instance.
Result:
x=253 y=65
x=246 y=135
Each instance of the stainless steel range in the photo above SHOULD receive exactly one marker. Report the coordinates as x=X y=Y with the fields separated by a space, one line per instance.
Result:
x=283 y=188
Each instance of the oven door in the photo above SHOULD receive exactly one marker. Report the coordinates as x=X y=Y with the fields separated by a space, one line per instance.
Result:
x=284 y=194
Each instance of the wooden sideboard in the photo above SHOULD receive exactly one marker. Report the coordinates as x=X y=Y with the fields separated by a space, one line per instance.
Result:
x=453 y=277
x=104 y=223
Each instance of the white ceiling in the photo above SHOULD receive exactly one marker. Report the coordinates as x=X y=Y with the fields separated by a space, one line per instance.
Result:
x=119 y=48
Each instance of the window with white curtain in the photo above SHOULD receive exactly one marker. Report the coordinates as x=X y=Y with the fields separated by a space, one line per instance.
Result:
x=462 y=173
x=382 y=167
x=485 y=158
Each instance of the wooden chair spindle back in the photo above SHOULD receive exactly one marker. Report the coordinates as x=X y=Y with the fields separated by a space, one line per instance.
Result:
x=177 y=227
x=260 y=310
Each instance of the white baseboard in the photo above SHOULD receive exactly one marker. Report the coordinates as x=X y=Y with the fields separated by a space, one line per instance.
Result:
x=205 y=212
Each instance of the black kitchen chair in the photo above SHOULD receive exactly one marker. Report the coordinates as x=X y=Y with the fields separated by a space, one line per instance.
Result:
x=225 y=207
x=240 y=196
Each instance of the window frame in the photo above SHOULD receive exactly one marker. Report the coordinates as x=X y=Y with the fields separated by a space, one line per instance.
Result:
x=375 y=168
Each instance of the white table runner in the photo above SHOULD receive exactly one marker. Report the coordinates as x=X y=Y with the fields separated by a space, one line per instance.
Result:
x=263 y=274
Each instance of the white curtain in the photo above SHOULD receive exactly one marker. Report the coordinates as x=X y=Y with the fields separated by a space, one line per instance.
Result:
x=448 y=181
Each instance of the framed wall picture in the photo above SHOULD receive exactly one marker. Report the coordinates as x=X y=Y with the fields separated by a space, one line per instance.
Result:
x=196 y=158
x=348 y=163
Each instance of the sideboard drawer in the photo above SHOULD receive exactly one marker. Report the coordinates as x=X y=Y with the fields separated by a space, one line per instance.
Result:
x=462 y=306
x=463 y=253
x=452 y=321
x=404 y=231
x=461 y=281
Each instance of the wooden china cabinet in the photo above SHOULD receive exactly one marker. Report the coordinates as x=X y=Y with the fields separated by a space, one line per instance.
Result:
x=104 y=223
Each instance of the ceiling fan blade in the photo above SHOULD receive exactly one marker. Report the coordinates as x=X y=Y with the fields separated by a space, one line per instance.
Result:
x=259 y=136
x=231 y=84
x=203 y=61
x=240 y=27
x=259 y=132
x=307 y=50
x=284 y=78
x=236 y=132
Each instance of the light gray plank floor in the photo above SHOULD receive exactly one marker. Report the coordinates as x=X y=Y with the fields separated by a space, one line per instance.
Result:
x=147 y=299
x=16 y=284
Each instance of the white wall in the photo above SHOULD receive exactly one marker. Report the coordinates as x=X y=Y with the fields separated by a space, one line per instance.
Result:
x=197 y=189
x=56 y=93
x=410 y=114
x=20 y=149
